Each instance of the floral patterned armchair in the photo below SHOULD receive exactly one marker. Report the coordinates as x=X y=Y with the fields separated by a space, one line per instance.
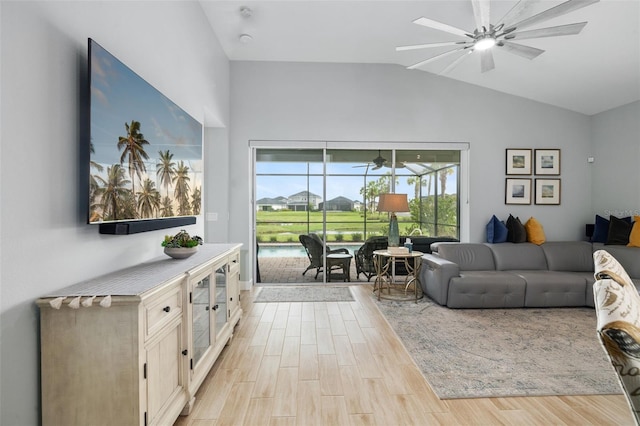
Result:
x=617 y=306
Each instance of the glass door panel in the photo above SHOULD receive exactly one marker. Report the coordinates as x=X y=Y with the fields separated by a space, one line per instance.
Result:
x=221 y=298
x=354 y=179
x=201 y=321
x=289 y=192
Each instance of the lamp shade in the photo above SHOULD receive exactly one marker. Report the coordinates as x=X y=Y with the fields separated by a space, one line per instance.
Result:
x=393 y=203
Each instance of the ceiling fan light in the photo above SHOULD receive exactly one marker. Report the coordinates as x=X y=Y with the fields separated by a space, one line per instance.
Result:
x=484 y=43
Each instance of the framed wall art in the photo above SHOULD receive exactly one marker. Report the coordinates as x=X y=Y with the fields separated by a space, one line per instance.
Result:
x=547 y=162
x=518 y=161
x=548 y=191
x=517 y=191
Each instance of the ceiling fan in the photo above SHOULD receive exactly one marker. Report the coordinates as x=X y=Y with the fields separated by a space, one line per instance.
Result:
x=486 y=35
x=379 y=162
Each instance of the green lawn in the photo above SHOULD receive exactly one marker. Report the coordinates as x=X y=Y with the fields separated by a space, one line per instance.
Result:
x=285 y=226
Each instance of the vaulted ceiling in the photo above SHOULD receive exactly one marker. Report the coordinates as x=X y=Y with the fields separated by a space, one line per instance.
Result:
x=590 y=72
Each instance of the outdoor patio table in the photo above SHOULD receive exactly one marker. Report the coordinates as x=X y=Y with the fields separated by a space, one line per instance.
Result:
x=341 y=261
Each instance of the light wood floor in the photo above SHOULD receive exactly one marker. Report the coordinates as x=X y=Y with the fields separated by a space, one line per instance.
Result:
x=341 y=364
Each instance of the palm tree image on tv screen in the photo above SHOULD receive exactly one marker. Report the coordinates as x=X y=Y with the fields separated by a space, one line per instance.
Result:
x=145 y=151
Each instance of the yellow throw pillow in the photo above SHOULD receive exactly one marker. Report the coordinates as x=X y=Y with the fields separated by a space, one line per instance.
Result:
x=535 y=231
x=634 y=236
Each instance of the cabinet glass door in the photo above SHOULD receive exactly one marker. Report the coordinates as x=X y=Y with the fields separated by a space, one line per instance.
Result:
x=221 y=297
x=201 y=321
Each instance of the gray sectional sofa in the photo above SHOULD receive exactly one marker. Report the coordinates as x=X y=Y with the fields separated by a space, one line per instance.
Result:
x=508 y=275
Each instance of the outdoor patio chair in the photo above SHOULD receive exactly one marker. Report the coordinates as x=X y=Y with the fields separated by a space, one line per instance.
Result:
x=313 y=245
x=364 y=256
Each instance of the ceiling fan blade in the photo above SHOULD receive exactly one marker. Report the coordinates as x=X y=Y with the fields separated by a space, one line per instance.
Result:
x=554 y=12
x=569 y=29
x=442 y=27
x=522 y=8
x=486 y=61
x=428 y=45
x=455 y=63
x=481 y=13
x=447 y=53
x=521 y=50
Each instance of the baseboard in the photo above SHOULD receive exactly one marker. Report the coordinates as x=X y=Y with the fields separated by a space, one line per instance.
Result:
x=246 y=285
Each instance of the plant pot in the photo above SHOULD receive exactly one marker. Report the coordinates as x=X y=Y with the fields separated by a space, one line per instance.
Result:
x=180 y=252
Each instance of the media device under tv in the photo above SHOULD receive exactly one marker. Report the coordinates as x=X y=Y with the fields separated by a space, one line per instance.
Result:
x=145 y=165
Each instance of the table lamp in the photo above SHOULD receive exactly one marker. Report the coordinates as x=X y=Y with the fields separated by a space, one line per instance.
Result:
x=393 y=203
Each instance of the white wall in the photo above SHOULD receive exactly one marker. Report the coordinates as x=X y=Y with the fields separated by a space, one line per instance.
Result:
x=45 y=243
x=368 y=102
x=217 y=190
x=616 y=151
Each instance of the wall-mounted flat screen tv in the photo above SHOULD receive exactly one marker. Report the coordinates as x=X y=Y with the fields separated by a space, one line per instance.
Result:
x=145 y=167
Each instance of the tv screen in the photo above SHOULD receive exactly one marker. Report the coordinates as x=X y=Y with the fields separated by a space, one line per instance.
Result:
x=145 y=152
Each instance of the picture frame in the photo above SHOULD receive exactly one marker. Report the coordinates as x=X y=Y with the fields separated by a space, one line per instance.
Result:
x=517 y=191
x=547 y=191
x=547 y=162
x=518 y=161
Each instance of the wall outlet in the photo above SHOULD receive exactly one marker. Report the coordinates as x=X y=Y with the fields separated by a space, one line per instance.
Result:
x=590 y=159
x=212 y=217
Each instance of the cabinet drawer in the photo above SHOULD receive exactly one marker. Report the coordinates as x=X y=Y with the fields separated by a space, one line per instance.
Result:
x=162 y=308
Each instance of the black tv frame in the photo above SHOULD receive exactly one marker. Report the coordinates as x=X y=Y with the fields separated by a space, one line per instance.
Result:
x=120 y=227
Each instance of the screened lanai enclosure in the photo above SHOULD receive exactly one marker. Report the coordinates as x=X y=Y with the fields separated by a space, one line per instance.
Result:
x=334 y=193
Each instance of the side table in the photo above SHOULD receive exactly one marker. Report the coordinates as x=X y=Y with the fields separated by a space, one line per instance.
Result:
x=339 y=261
x=384 y=262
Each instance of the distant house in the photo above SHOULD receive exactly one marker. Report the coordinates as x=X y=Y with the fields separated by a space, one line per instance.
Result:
x=338 y=204
x=302 y=200
x=269 y=204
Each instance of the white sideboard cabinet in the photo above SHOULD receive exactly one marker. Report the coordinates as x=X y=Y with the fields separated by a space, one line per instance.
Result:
x=132 y=347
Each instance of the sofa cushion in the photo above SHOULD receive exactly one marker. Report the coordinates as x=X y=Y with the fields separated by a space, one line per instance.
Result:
x=600 y=230
x=516 y=231
x=535 y=231
x=619 y=230
x=570 y=256
x=423 y=244
x=553 y=289
x=634 y=236
x=627 y=256
x=590 y=280
x=468 y=256
x=486 y=289
x=496 y=230
x=607 y=266
x=525 y=256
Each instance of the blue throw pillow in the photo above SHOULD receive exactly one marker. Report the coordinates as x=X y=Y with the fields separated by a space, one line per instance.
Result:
x=496 y=231
x=600 y=230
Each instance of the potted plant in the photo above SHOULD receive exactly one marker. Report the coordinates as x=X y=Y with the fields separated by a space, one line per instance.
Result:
x=181 y=245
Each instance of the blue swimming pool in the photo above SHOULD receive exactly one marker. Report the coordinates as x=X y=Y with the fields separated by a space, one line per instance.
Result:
x=283 y=250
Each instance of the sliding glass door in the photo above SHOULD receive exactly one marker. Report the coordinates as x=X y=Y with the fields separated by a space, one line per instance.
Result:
x=333 y=193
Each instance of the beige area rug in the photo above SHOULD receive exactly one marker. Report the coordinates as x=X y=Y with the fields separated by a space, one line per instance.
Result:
x=304 y=294
x=478 y=353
